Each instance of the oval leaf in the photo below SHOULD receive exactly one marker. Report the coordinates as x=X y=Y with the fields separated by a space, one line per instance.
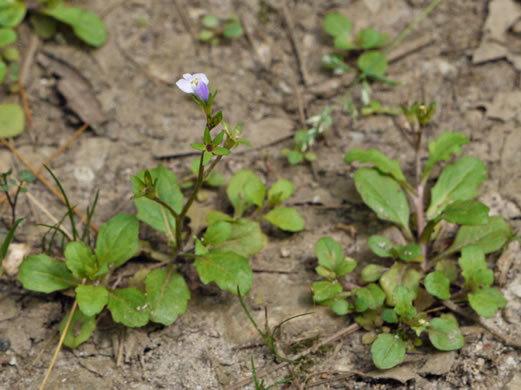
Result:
x=227 y=269
x=45 y=274
x=466 y=212
x=7 y=36
x=244 y=190
x=280 y=191
x=437 y=284
x=445 y=334
x=118 y=240
x=80 y=328
x=129 y=307
x=383 y=195
x=12 y=119
x=458 y=181
x=246 y=238
x=487 y=302
x=80 y=260
x=387 y=351
x=489 y=237
x=167 y=294
x=86 y=25
x=286 y=219
x=336 y=24
x=442 y=149
x=370 y=297
x=91 y=299
x=324 y=290
x=11 y=15
x=373 y=63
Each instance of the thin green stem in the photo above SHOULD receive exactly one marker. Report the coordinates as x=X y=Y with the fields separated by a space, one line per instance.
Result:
x=174 y=213
x=210 y=169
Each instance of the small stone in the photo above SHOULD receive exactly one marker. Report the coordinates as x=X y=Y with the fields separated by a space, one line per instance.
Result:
x=5 y=344
x=13 y=361
x=15 y=255
x=284 y=252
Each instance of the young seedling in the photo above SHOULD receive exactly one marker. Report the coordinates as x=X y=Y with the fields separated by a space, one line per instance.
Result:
x=6 y=180
x=400 y=291
x=214 y=29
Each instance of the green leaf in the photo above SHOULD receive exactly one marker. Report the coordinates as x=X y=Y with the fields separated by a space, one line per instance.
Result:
x=372 y=272
x=295 y=157
x=233 y=30
x=340 y=307
x=383 y=163
x=199 y=147
x=489 y=237
x=442 y=149
x=474 y=268
x=329 y=252
x=227 y=269
x=403 y=298
x=44 y=26
x=445 y=334
x=3 y=71
x=336 y=24
x=86 y=25
x=448 y=268
x=466 y=212
x=205 y=35
x=380 y=246
x=370 y=39
x=7 y=241
x=387 y=351
x=12 y=118
x=167 y=295
x=324 y=290
x=218 y=233
x=437 y=284
x=12 y=14
x=400 y=274
x=487 y=302
x=117 y=240
x=91 y=299
x=390 y=316
x=7 y=36
x=210 y=21
x=286 y=219
x=384 y=196
x=372 y=64
x=246 y=238
x=44 y=274
x=80 y=329
x=245 y=189
x=221 y=151
x=280 y=191
x=215 y=179
x=411 y=253
x=167 y=190
x=80 y=260
x=330 y=255
x=343 y=42
x=129 y=307
x=369 y=297
x=458 y=181
x=26 y=176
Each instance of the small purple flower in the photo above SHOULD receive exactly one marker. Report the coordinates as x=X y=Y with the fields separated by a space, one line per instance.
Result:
x=196 y=84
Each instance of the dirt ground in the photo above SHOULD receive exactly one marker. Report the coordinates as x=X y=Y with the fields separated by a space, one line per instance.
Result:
x=462 y=56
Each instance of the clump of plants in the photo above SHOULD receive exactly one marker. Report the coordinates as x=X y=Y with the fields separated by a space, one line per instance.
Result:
x=401 y=295
x=46 y=17
x=214 y=29
x=160 y=293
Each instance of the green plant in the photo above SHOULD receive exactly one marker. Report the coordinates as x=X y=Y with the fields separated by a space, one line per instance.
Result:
x=161 y=294
x=45 y=16
x=260 y=385
x=215 y=29
x=400 y=292
x=5 y=181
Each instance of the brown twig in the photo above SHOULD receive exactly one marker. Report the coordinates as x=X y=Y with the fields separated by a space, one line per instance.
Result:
x=343 y=332
x=295 y=43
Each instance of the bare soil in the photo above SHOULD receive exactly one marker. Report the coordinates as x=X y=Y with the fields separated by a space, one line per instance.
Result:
x=146 y=120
